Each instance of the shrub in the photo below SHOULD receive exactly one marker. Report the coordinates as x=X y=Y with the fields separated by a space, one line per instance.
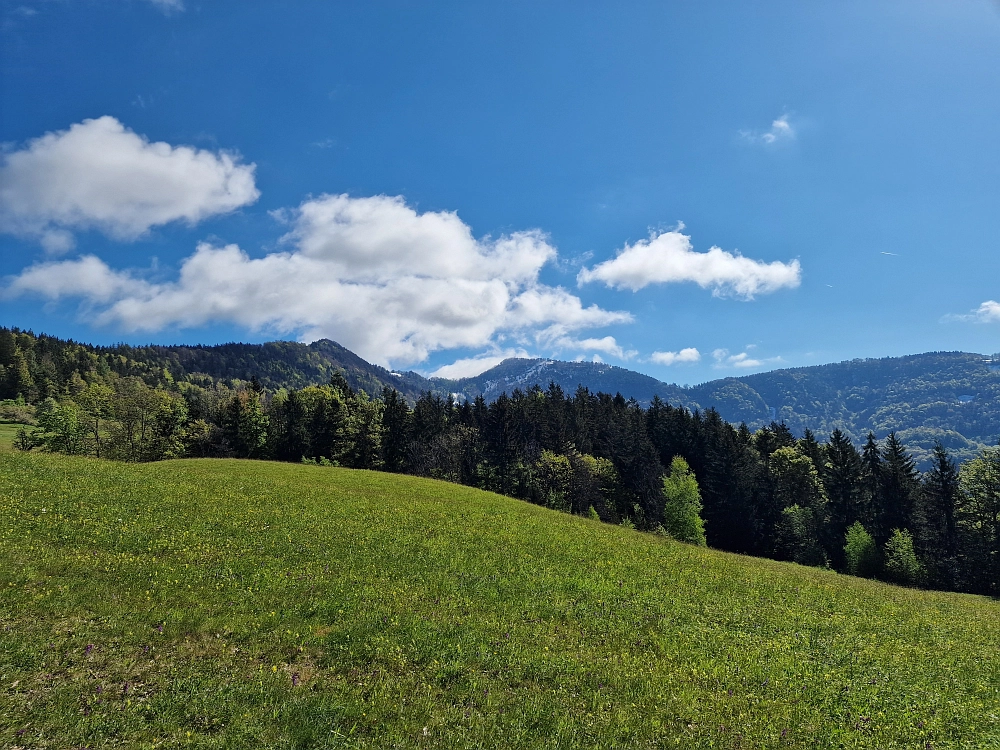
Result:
x=901 y=563
x=860 y=553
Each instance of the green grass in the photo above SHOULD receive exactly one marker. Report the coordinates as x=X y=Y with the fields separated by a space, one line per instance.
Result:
x=245 y=604
x=7 y=432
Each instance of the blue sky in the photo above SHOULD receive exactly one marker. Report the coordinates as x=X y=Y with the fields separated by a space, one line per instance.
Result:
x=456 y=182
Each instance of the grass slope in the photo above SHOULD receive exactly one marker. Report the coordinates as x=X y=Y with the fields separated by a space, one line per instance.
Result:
x=241 y=604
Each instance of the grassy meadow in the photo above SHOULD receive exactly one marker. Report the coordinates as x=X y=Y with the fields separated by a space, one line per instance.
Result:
x=240 y=604
x=8 y=430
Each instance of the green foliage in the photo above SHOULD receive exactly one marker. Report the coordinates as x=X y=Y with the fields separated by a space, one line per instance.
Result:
x=798 y=536
x=225 y=604
x=682 y=504
x=23 y=440
x=978 y=523
x=860 y=553
x=901 y=563
x=554 y=474
x=796 y=480
x=59 y=427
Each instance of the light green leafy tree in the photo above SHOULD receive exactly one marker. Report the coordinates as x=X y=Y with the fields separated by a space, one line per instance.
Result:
x=682 y=504
x=60 y=426
x=902 y=565
x=860 y=552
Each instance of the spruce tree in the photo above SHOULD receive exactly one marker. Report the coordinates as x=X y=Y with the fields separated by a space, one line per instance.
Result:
x=871 y=485
x=935 y=530
x=899 y=488
x=842 y=479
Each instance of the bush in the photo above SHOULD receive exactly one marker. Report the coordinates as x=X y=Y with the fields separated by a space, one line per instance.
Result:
x=860 y=553
x=24 y=440
x=901 y=563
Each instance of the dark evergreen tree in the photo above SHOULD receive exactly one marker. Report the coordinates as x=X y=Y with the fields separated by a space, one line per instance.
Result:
x=871 y=487
x=843 y=481
x=810 y=447
x=900 y=484
x=729 y=477
x=935 y=529
x=396 y=430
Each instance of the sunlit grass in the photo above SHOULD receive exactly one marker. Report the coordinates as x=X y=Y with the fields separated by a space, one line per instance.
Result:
x=246 y=604
x=7 y=433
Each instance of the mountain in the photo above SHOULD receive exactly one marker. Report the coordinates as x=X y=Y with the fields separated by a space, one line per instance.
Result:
x=597 y=377
x=953 y=397
x=48 y=363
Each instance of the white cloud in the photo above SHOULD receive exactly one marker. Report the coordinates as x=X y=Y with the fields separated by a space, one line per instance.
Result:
x=668 y=257
x=471 y=366
x=88 y=277
x=672 y=358
x=742 y=360
x=987 y=312
x=606 y=344
x=100 y=175
x=168 y=6
x=389 y=283
x=781 y=130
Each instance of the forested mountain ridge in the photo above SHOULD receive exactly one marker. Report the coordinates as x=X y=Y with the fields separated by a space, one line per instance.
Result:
x=38 y=366
x=597 y=377
x=953 y=397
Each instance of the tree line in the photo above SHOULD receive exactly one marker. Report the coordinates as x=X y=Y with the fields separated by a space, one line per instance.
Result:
x=665 y=469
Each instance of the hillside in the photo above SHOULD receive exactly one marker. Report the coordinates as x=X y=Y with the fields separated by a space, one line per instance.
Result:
x=598 y=377
x=953 y=397
x=234 y=604
x=949 y=396
x=48 y=364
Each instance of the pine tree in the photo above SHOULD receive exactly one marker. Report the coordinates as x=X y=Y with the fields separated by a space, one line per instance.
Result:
x=842 y=480
x=396 y=430
x=810 y=447
x=871 y=484
x=935 y=530
x=900 y=485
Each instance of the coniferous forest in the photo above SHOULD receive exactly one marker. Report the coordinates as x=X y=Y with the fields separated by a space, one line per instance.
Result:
x=863 y=510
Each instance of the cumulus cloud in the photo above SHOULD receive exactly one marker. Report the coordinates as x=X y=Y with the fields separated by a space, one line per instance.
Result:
x=372 y=273
x=668 y=257
x=987 y=312
x=672 y=358
x=742 y=360
x=469 y=367
x=781 y=130
x=87 y=277
x=606 y=344
x=100 y=175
